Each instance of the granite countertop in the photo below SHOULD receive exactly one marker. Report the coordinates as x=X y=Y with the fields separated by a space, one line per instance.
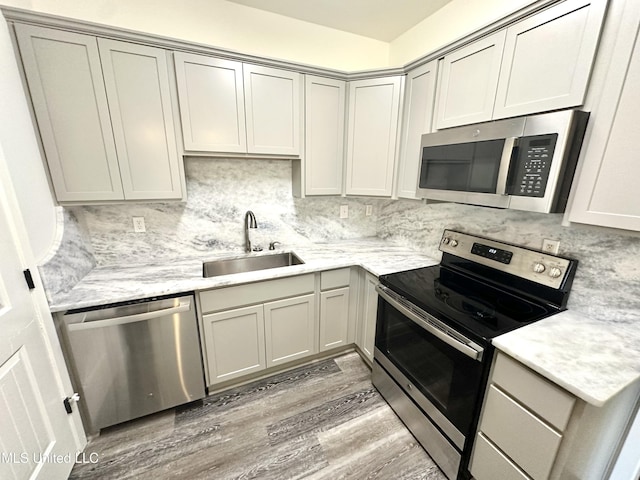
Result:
x=592 y=358
x=120 y=283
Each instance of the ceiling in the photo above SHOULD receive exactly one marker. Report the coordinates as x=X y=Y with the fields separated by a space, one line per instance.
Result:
x=379 y=19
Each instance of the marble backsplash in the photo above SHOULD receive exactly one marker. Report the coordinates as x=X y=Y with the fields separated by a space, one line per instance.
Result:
x=220 y=191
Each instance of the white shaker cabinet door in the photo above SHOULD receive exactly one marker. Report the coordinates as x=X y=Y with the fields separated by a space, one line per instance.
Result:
x=211 y=97
x=468 y=82
x=234 y=343
x=419 y=98
x=374 y=108
x=368 y=316
x=64 y=76
x=273 y=113
x=137 y=83
x=325 y=105
x=334 y=318
x=548 y=58
x=290 y=329
x=606 y=191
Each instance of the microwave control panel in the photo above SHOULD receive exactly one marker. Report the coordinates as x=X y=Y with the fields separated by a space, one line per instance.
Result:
x=530 y=170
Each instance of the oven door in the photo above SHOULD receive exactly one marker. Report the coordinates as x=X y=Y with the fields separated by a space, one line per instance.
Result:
x=438 y=368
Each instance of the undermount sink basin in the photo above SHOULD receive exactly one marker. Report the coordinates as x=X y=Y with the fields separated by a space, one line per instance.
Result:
x=249 y=264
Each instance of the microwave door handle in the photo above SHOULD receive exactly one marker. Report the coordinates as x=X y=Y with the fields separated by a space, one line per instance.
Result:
x=505 y=161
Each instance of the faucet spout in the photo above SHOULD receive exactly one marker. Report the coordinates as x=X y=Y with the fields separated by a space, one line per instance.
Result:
x=249 y=222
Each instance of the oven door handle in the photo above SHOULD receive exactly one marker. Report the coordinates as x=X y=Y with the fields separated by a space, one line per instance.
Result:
x=469 y=349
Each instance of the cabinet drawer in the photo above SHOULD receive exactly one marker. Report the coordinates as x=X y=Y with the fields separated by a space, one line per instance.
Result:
x=335 y=278
x=522 y=436
x=489 y=463
x=259 y=292
x=541 y=396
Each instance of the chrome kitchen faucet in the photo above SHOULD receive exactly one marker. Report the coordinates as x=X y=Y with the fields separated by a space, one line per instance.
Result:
x=249 y=222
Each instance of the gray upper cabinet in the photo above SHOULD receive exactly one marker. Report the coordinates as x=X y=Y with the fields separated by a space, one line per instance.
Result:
x=272 y=104
x=606 y=191
x=137 y=82
x=538 y=64
x=325 y=106
x=374 y=109
x=231 y=107
x=548 y=57
x=419 y=98
x=64 y=76
x=210 y=92
x=468 y=82
x=104 y=113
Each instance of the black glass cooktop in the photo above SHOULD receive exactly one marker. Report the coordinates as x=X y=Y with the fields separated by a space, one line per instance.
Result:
x=469 y=305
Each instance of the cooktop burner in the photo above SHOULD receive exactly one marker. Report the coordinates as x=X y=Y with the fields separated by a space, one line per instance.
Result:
x=473 y=305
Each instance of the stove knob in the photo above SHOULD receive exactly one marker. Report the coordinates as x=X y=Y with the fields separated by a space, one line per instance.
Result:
x=446 y=240
x=453 y=243
x=555 y=272
x=539 y=267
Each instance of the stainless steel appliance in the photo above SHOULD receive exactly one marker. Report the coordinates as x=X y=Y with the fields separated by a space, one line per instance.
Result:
x=129 y=360
x=434 y=328
x=525 y=163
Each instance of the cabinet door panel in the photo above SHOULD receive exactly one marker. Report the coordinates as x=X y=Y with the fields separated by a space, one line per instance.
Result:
x=290 y=329
x=368 y=316
x=234 y=342
x=272 y=102
x=137 y=82
x=65 y=81
x=468 y=83
x=418 y=114
x=325 y=104
x=334 y=318
x=211 y=96
x=547 y=59
x=606 y=191
x=489 y=463
x=374 y=107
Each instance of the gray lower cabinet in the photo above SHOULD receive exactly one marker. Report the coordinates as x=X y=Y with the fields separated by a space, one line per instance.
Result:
x=367 y=315
x=248 y=328
x=103 y=110
x=335 y=309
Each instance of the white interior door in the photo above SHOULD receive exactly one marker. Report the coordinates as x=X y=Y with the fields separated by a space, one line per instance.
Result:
x=38 y=439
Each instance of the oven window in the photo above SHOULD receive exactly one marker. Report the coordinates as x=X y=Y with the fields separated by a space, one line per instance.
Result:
x=448 y=378
x=466 y=167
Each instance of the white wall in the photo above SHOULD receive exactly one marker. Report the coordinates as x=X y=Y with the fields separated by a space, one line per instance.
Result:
x=227 y=25
x=451 y=22
x=20 y=147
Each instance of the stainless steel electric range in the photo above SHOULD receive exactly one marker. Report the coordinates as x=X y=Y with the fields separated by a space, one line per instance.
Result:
x=435 y=324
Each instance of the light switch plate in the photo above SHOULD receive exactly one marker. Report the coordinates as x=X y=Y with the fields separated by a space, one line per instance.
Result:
x=368 y=210
x=344 y=211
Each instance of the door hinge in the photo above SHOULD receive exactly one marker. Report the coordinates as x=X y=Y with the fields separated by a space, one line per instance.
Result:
x=29 y=278
x=67 y=402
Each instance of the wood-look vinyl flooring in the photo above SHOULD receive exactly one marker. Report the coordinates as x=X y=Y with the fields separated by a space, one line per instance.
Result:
x=321 y=421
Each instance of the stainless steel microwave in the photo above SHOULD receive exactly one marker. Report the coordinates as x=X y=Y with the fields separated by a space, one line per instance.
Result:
x=525 y=163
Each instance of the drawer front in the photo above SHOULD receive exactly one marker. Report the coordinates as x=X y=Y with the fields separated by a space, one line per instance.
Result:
x=489 y=463
x=539 y=395
x=259 y=292
x=335 y=279
x=522 y=436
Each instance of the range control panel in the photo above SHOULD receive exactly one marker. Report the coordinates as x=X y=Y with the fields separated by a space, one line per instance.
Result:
x=530 y=170
x=538 y=267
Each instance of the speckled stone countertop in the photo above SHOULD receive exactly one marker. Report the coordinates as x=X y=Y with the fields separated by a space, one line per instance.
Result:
x=111 y=284
x=592 y=358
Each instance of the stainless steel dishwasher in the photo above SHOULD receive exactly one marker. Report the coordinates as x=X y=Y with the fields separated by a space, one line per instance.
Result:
x=132 y=359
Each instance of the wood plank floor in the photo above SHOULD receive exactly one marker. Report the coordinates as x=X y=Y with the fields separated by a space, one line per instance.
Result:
x=322 y=421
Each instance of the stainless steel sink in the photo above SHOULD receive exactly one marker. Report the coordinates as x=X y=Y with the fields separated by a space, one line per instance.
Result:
x=249 y=264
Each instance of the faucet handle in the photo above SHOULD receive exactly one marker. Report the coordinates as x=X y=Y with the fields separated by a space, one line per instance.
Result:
x=272 y=245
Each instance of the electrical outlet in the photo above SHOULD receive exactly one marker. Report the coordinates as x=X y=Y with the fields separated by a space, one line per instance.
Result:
x=551 y=246
x=344 y=211
x=138 y=225
x=368 y=210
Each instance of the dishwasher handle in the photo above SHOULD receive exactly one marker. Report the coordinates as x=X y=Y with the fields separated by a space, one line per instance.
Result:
x=184 y=306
